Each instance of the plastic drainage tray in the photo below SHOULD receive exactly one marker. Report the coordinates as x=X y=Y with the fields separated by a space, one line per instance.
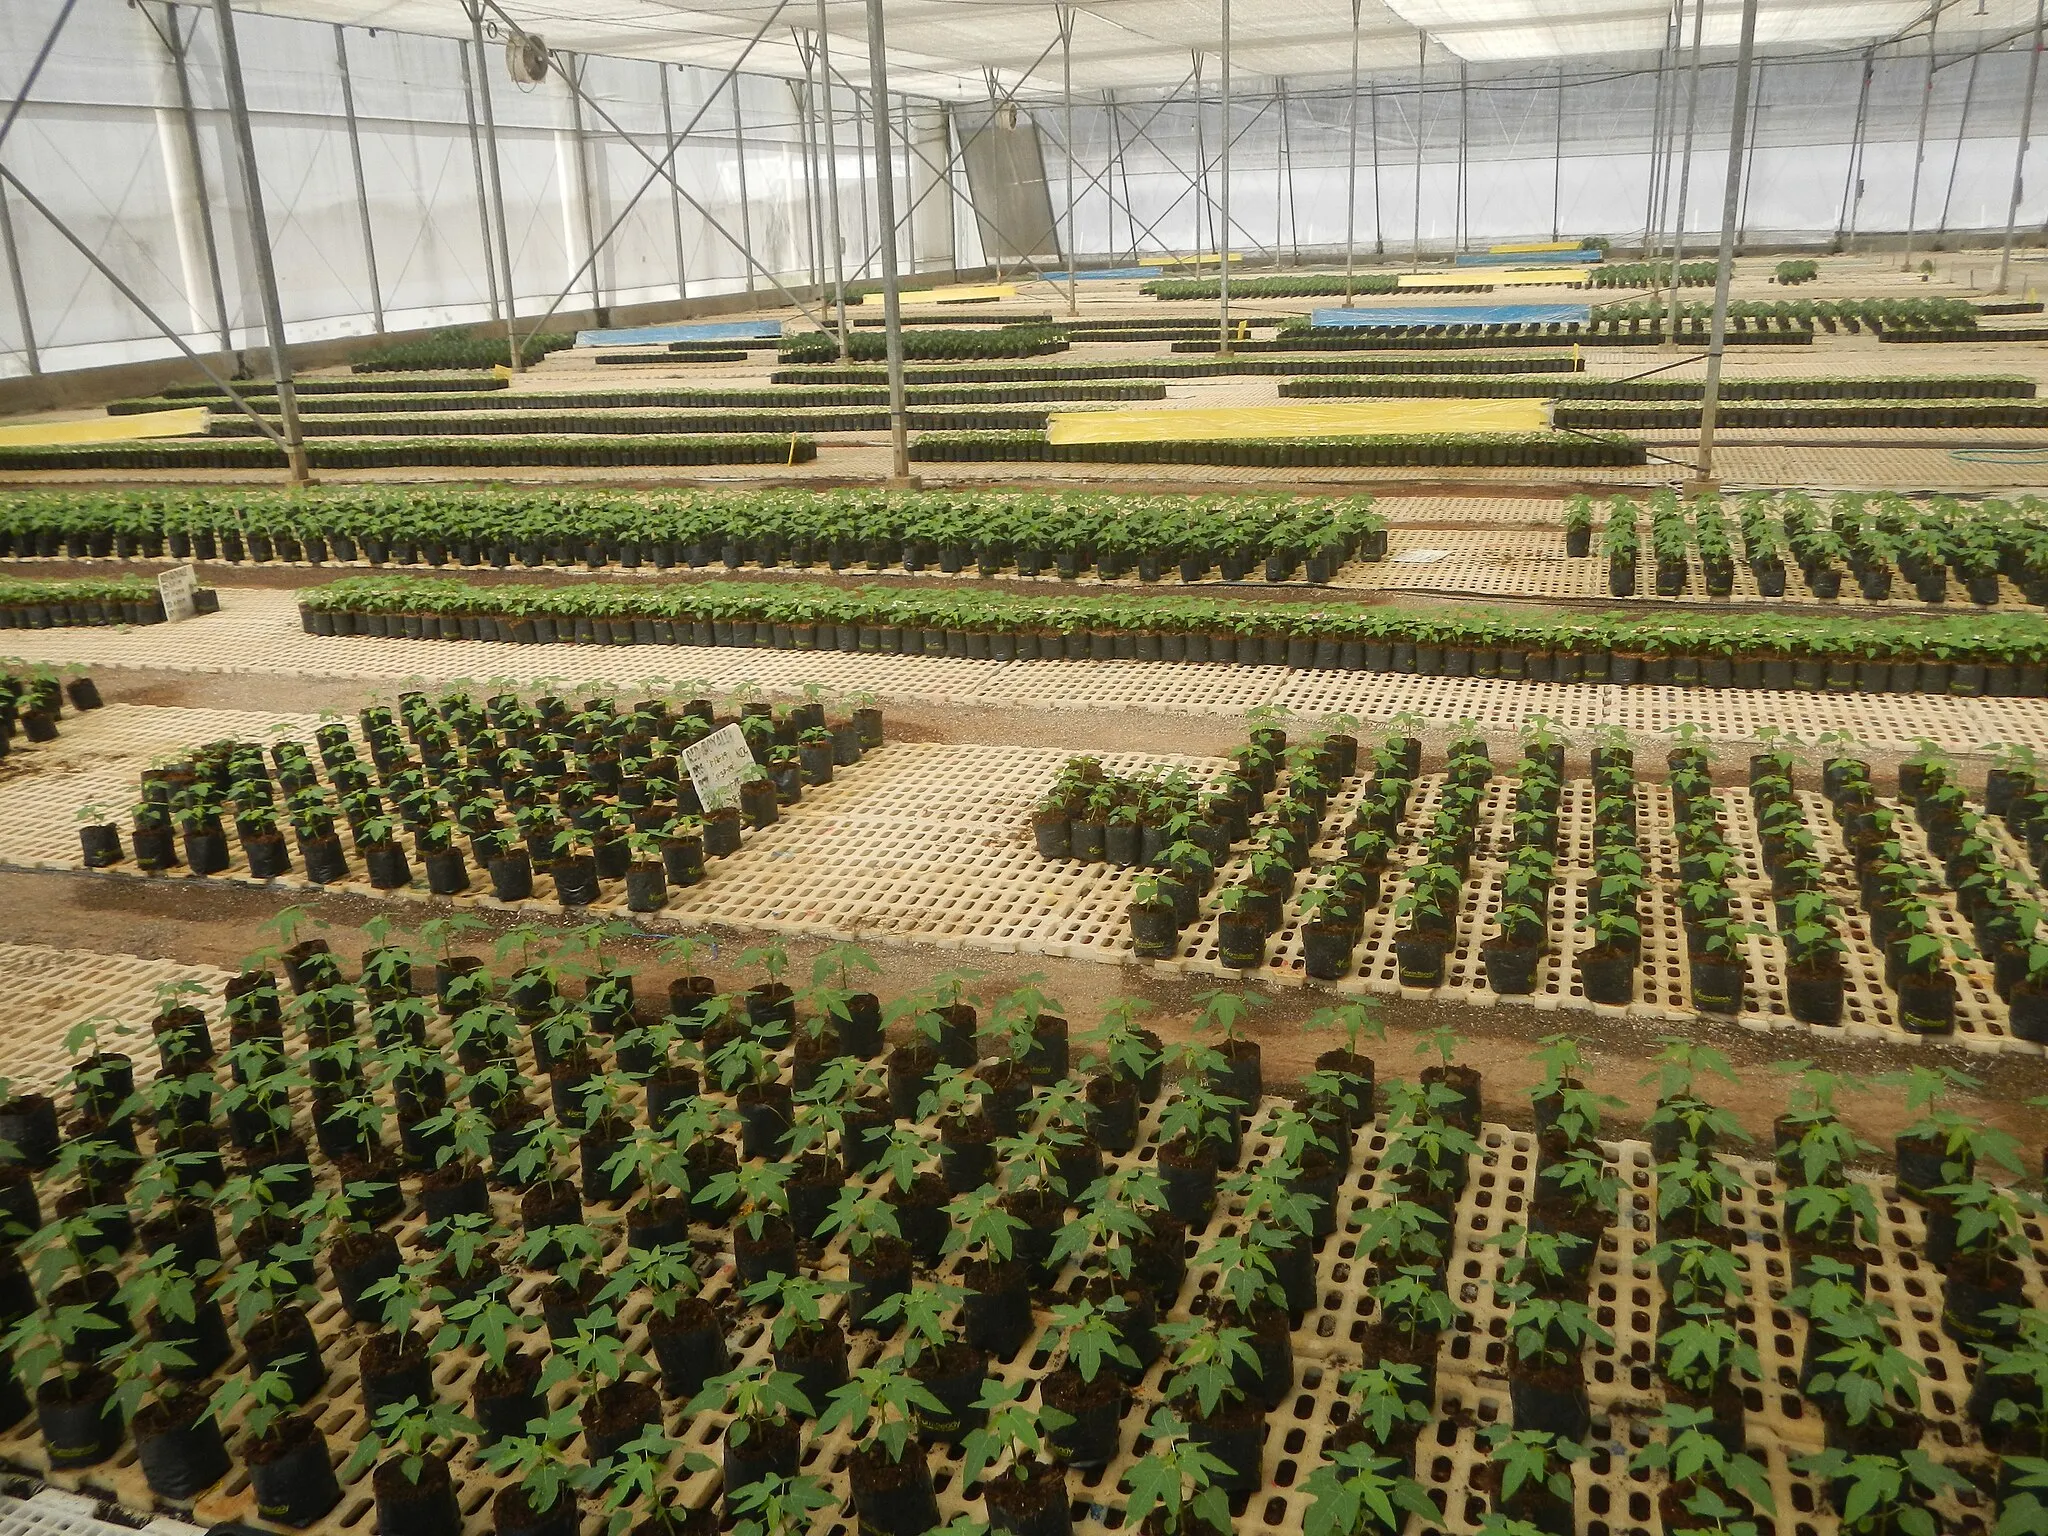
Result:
x=1330 y=1339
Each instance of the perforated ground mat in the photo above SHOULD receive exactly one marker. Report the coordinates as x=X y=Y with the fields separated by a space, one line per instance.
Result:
x=1624 y=1388
x=932 y=843
x=259 y=632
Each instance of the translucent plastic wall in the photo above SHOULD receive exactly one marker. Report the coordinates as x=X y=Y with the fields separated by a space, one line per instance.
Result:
x=1523 y=173
x=106 y=142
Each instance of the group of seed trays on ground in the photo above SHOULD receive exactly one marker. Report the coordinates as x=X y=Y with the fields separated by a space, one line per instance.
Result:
x=987 y=1276
x=1540 y=878
x=592 y=798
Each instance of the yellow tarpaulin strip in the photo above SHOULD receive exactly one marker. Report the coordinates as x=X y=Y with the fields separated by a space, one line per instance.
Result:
x=1494 y=277
x=956 y=295
x=1521 y=277
x=1540 y=245
x=1347 y=418
x=105 y=429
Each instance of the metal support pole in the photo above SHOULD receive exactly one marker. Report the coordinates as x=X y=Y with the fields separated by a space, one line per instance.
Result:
x=1201 y=170
x=497 y=182
x=739 y=160
x=28 y=82
x=1756 y=109
x=23 y=314
x=1557 y=161
x=885 y=207
x=1464 y=210
x=572 y=72
x=355 y=160
x=1710 y=403
x=1920 y=139
x=1962 y=127
x=860 y=154
x=259 y=242
x=1650 y=230
x=2019 y=159
x=1351 y=165
x=1379 y=230
x=1064 y=16
x=1852 y=178
x=476 y=166
x=831 y=165
x=1421 y=69
x=1116 y=138
x=1692 y=109
x=1223 y=205
x=230 y=360
x=675 y=201
x=1287 y=185
x=806 y=140
x=910 y=181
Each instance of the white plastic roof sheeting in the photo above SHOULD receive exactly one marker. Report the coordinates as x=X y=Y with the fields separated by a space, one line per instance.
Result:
x=954 y=48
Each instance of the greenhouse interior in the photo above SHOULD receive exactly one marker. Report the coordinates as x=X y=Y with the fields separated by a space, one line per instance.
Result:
x=1381 y=873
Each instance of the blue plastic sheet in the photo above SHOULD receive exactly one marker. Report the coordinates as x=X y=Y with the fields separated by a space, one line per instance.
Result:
x=1125 y=272
x=644 y=335
x=1531 y=259
x=1454 y=314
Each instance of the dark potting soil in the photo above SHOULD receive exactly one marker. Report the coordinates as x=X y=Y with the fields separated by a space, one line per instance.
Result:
x=620 y=1408
x=389 y=1353
x=1065 y=1390
x=288 y=1434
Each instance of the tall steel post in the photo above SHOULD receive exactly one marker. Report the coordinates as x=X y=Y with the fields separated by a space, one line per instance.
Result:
x=1464 y=208
x=885 y=208
x=1064 y=16
x=739 y=163
x=2019 y=159
x=1852 y=175
x=259 y=243
x=1710 y=403
x=831 y=168
x=476 y=167
x=675 y=196
x=355 y=160
x=1351 y=165
x=497 y=181
x=1920 y=141
x=1223 y=241
x=1692 y=109
x=1421 y=69
x=1652 y=233
x=24 y=315
x=1379 y=228
x=1962 y=127
x=1756 y=109
x=1557 y=160
x=572 y=73
x=910 y=182
x=230 y=362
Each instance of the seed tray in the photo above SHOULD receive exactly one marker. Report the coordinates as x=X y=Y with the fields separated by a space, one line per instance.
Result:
x=53 y=1512
x=49 y=990
x=1471 y=1389
x=257 y=631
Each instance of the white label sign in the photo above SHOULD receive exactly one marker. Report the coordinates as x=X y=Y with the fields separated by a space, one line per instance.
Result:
x=178 y=589
x=718 y=765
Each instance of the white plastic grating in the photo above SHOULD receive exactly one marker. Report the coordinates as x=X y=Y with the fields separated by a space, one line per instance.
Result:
x=50 y=990
x=258 y=632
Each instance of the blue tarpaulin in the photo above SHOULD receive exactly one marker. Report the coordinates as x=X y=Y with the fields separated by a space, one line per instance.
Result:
x=643 y=335
x=1455 y=314
x=1531 y=259
x=1061 y=277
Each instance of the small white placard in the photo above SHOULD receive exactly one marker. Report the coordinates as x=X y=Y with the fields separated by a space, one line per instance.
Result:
x=1421 y=556
x=718 y=765
x=178 y=589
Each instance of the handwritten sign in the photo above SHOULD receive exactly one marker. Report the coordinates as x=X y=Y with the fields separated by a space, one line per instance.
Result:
x=179 y=590
x=718 y=765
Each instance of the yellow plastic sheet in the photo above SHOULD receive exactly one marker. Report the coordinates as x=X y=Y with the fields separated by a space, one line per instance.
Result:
x=1493 y=277
x=105 y=429
x=1535 y=247
x=1341 y=418
x=961 y=294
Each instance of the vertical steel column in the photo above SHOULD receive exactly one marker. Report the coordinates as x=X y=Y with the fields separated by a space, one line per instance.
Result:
x=1285 y=183
x=885 y=207
x=1852 y=177
x=230 y=363
x=1710 y=403
x=259 y=243
x=1692 y=109
x=1756 y=109
x=1920 y=140
x=355 y=160
x=1651 y=231
x=1421 y=69
x=1962 y=126
x=573 y=74
x=1223 y=206
x=807 y=135
x=24 y=316
x=476 y=166
x=2019 y=159
x=1464 y=210
x=860 y=147
x=1379 y=230
x=1557 y=160
x=675 y=196
x=1351 y=165
x=739 y=160
x=497 y=181
x=831 y=164
x=1064 y=16
x=1201 y=171
x=910 y=185
x=1116 y=148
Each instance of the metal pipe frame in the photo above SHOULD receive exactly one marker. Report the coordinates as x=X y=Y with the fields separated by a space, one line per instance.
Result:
x=739 y=159
x=860 y=157
x=806 y=131
x=885 y=208
x=1756 y=108
x=1201 y=186
x=1650 y=231
x=675 y=204
x=24 y=316
x=1845 y=221
x=573 y=72
x=1379 y=229
x=909 y=224
x=355 y=160
x=476 y=165
x=1956 y=161
x=2019 y=159
x=259 y=244
x=175 y=44
x=35 y=70
x=1692 y=109
x=1464 y=211
x=1421 y=98
x=1223 y=182
x=1064 y=15
x=1920 y=137
x=496 y=181
x=830 y=163
x=1710 y=402
x=1207 y=164
x=1557 y=160
x=1351 y=164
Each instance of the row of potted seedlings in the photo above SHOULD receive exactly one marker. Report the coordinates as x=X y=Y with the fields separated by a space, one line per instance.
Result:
x=593 y=797
x=89 y=601
x=32 y=702
x=582 y=1152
